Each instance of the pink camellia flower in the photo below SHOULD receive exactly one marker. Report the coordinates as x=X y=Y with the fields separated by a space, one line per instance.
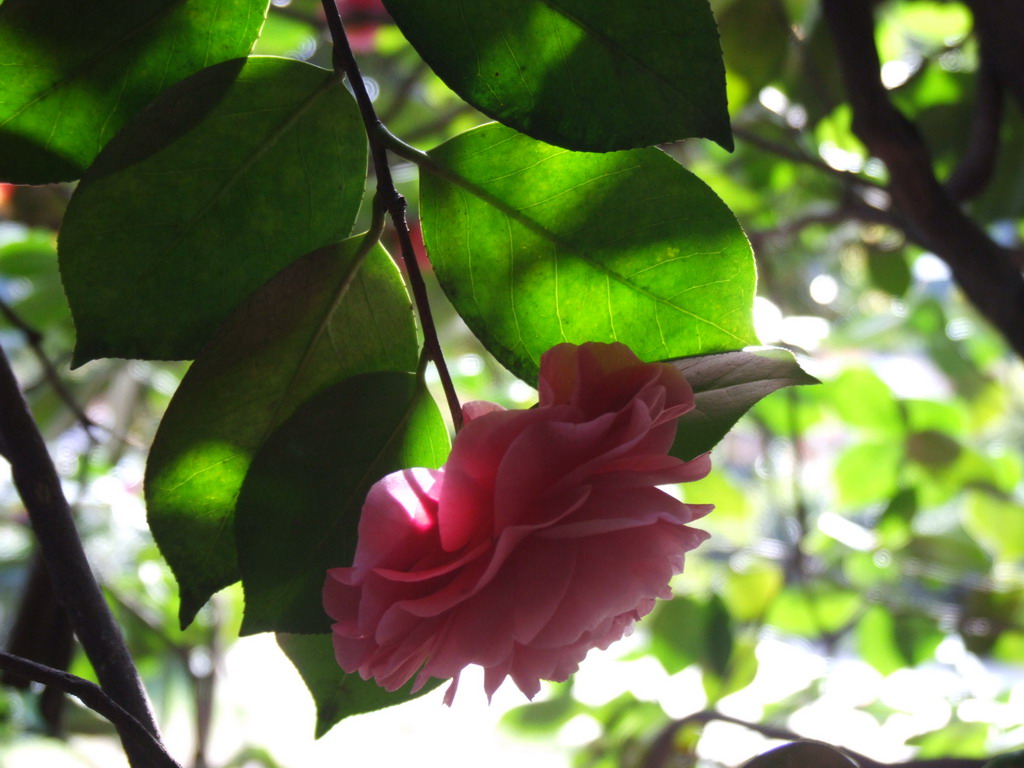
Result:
x=543 y=536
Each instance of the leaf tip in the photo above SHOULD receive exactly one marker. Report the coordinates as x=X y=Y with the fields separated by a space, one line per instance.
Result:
x=189 y=608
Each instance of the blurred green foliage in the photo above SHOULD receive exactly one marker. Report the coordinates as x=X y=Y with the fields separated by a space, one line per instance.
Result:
x=874 y=521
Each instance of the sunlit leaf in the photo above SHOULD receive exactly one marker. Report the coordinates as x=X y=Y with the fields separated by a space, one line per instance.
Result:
x=863 y=400
x=955 y=739
x=814 y=610
x=876 y=642
x=298 y=509
x=197 y=202
x=338 y=695
x=543 y=718
x=72 y=75
x=868 y=472
x=996 y=523
x=537 y=245
x=750 y=592
x=735 y=518
x=275 y=351
x=589 y=75
x=737 y=675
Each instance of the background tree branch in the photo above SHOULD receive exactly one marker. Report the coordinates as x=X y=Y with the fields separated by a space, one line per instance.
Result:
x=663 y=747
x=144 y=743
x=38 y=485
x=985 y=272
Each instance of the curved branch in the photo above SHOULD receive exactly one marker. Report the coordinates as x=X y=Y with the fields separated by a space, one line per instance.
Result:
x=95 y=699
x=986 y=273
x=978 y=163
x=74 y=584
x=1000 y=29
x=663 y=747
x=796 y=156
x=345 y=62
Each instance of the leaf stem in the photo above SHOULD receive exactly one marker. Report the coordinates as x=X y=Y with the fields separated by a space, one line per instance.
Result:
x=389 y=197
x=76 y=588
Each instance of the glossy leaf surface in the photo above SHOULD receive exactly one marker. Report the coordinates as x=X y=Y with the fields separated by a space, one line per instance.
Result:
x=73 y=74
x=182 y=215
x=277 y=350
x=298 y=509
x=536 y=245
x=593 y=75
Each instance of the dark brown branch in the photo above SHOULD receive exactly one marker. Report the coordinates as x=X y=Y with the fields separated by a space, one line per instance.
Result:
x=975 y=169
x=999 y=26
x=77 y=590
x=42 y=633
x=90 y=694
x=663 y=747
x=985 y=272
x=393 y=202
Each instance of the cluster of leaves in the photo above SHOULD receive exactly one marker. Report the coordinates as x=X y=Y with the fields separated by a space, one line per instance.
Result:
x=877 y=517
x=216 y=224
x=212 y=220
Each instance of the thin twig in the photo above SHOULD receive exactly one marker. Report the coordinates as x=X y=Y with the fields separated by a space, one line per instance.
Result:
x=403 y=91
x=35 y=342
x=393 y=202
x=663 y=746
x=95 y=699
x=796 y=156
x=76 y=588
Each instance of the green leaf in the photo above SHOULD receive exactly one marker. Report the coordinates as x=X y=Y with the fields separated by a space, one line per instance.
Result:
x=867 y=473
x=590 y=75
x=889 y=271
x=32 y=261
x=754 y=65
x=537 y=245
x=876 y=640
x=863 y=400
x=686 y=631
x=750 y=592
x=298 y=509
x=183 y=214
x=337 y=694
x=995 y=523
x=73 y=75
x=802 y=754
x=740 y=672
x=544 y=718
x=815 y=610
x=725 y=387
x=275 y=351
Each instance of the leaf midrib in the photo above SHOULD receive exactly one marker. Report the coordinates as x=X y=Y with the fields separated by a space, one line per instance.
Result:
x=441 y=171
x=185 y=230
